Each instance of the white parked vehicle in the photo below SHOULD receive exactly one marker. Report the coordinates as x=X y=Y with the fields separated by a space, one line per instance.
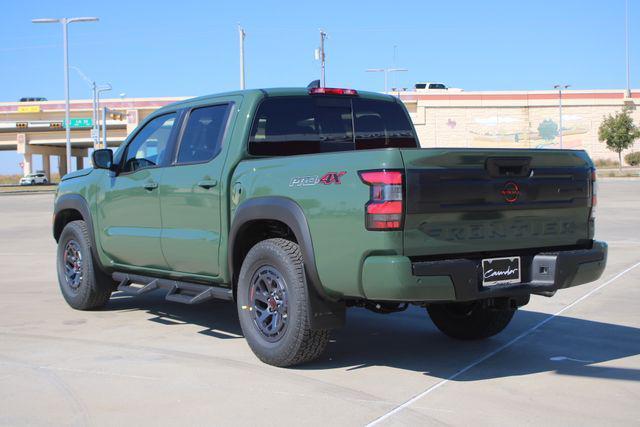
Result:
x=34 y=179
x=435 y=87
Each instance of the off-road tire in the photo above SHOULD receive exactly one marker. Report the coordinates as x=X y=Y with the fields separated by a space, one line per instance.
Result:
x=469 y=321
x=95 y=287
x=298 y=343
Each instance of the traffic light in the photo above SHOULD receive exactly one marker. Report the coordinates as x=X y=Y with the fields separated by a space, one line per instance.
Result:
x=22 y=125
x=55 y=125
x=114 y=115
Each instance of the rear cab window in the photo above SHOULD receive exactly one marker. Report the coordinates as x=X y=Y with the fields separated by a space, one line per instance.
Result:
x=292 y=125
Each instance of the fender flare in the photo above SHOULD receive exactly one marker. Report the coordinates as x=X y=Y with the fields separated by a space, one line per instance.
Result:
x=327 y=312
x=78 y=203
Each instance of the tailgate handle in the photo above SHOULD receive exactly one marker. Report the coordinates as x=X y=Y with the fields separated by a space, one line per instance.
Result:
x=508 y=166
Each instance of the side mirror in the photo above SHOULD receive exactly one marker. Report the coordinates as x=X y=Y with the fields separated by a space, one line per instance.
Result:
x=102 y=159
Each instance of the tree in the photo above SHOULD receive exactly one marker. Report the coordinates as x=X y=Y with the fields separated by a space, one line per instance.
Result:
x=548 y=129
x=618 y=132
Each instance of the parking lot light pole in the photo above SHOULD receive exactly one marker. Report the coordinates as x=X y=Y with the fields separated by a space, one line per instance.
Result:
x=386 y=72
x=560 y=87
x=65 y=22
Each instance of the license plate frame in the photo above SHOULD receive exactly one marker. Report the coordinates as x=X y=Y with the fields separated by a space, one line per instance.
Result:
x=501 y=271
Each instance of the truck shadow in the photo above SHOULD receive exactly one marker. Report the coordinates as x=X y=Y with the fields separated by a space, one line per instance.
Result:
x=410 y=341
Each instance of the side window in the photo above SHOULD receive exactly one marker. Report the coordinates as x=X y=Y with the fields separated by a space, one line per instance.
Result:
x=149 y=146
x=202 y=139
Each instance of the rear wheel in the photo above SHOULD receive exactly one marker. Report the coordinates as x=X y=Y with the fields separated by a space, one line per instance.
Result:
x=83 y=286
x=469 y=320
x=273 y=305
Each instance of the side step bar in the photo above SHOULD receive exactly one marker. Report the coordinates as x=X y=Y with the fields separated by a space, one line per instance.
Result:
x=184 y=292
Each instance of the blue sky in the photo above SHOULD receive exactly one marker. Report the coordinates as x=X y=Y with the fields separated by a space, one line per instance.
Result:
x=156 y=48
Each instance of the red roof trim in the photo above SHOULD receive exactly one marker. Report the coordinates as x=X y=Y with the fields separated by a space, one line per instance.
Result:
x=513 y=97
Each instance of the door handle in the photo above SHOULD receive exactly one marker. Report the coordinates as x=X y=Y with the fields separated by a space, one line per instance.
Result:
x=207 y=183
x=150 y=185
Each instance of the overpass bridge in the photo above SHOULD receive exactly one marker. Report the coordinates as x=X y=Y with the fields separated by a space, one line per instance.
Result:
x=37 y=128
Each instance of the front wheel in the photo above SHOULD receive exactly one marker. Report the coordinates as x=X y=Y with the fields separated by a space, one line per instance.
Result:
x=469 y=320
x=273 y=305
x=83 y=286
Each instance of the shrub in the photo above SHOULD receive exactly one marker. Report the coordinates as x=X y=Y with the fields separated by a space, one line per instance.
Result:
x=632 y=159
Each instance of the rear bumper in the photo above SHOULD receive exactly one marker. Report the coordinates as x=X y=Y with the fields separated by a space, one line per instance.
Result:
x=396 y=278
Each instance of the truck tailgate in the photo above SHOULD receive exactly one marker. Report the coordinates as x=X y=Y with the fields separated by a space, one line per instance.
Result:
x=482 y=200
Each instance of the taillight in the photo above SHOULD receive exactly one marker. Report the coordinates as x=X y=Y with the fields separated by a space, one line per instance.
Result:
x=594 y=193
x=331 y=91
x=385 y=208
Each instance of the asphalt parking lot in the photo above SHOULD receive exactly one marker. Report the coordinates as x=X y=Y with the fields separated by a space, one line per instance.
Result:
x=569 y=360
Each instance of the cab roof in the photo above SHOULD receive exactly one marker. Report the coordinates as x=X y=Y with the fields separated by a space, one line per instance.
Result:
x=261 y=93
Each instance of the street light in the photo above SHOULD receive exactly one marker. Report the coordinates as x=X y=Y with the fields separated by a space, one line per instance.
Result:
x=97 y=91
x=65 y=22
x=95 y=128
x=386 y=72
x=626 y=38
x=560 y=87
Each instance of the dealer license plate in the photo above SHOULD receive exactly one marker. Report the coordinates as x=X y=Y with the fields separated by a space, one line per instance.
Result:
x=499 y=271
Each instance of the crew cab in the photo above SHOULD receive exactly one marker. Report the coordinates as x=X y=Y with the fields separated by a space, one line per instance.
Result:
x=298 y=203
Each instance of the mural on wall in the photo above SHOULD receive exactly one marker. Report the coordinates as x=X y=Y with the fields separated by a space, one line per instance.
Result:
x=515 y=131
x=549 y=132
x=489 y=130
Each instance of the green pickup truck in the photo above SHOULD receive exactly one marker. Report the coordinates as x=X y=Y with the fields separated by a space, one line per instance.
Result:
x=297 y=203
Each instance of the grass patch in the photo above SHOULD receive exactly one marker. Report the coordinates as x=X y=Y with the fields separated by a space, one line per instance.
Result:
x=617 y=174
x=15 y=178
x=606 y=163
x=27 y=188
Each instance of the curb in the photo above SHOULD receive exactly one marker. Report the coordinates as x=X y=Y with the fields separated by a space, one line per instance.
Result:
x=15 y=193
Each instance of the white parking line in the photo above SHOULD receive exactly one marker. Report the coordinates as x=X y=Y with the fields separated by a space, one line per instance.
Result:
x=497 y=350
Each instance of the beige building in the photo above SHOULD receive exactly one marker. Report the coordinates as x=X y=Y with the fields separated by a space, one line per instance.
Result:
x=443 y=118
x=516 y=119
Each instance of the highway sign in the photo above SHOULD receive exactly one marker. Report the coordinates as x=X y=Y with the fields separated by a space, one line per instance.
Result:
x=80 y=123
x=28 y=109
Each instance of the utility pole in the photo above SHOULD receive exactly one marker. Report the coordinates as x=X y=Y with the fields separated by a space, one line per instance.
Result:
x=65 y=23
x=241 y=35
x=560 y=87
x=626 y=34
x=323 y=36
